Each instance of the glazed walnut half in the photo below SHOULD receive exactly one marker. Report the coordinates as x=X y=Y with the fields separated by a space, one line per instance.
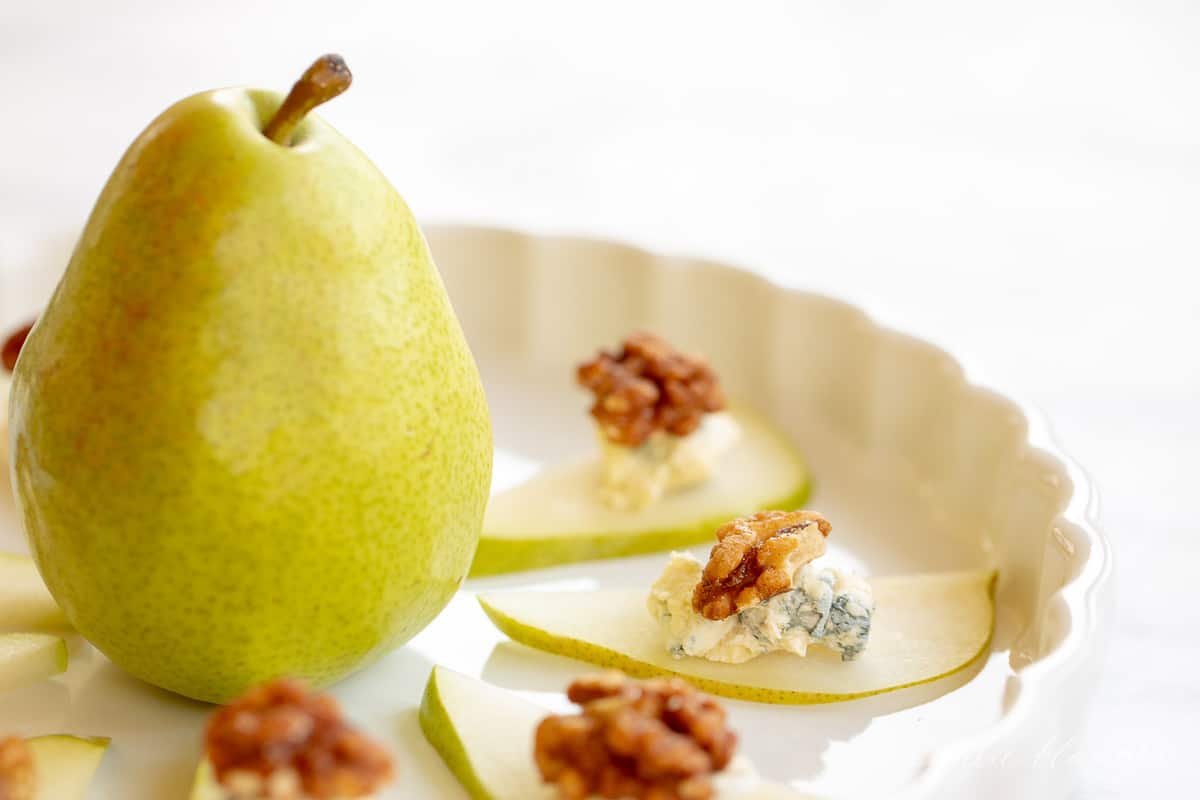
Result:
x=17 y=779
x=281 y=741
x=755 y=558
x=648 y=386
x=659 y=739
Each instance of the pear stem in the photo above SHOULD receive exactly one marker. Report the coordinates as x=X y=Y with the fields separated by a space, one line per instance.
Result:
x=324 y=80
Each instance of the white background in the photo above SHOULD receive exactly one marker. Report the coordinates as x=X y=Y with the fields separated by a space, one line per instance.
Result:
x=1017 y=181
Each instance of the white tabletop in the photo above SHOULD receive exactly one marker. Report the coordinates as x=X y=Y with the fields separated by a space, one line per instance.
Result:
x=1017 y=181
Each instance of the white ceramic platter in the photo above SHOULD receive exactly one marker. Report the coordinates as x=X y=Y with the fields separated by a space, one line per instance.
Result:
x=918 y=469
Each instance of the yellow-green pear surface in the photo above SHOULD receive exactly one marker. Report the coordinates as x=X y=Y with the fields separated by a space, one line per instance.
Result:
x=248 y=437
x=925 y=627
x=65 y=765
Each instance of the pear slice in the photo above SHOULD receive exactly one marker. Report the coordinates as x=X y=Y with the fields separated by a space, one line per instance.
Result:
x=485 y=736
x=65 y=765
x=558 y=516
x=205 y=786
x=925 y=627
x=27 y=657
x=25 y=603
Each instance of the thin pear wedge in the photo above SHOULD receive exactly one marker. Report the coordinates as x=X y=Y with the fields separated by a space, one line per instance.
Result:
x=25 y=603
x=65 y=765
x=485 y=736
x=925 y=627
x=204 y=785
x=29 y=657
x=558 y=517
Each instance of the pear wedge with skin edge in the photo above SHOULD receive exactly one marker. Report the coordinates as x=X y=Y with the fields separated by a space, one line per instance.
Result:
x=204 y=785
x=559 y=517
x=925 y=627
x=29 y=657
x=25 y=602
x=484 y=734
x=65 y=765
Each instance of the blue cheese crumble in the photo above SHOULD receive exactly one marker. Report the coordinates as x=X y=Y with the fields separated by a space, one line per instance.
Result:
x=826 y=607
x=635 y=477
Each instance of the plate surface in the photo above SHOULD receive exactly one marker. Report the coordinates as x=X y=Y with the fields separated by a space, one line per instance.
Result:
x=918 y=470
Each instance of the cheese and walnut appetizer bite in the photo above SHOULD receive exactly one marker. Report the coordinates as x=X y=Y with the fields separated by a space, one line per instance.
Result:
x=660 y=417
x=760 y=592
x=281 y=741
x=709 y=625
x=674 y=459
x=658 y=739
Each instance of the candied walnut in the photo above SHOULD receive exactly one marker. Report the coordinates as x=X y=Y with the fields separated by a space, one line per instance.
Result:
x=658 y=739
x=12 y=347
x=755 y=558
x=17 y=779
x=280 y=740
x=648 y=386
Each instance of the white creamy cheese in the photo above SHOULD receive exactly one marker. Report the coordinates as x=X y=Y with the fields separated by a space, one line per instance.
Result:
x=283 y=784
x=738 y=778
x=634 y=477
x=826 y=607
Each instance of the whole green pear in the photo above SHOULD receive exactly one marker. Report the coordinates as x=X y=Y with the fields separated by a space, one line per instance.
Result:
x=248 y=438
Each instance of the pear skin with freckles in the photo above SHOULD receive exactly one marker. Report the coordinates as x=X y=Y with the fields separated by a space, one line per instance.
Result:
x=248 y=438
